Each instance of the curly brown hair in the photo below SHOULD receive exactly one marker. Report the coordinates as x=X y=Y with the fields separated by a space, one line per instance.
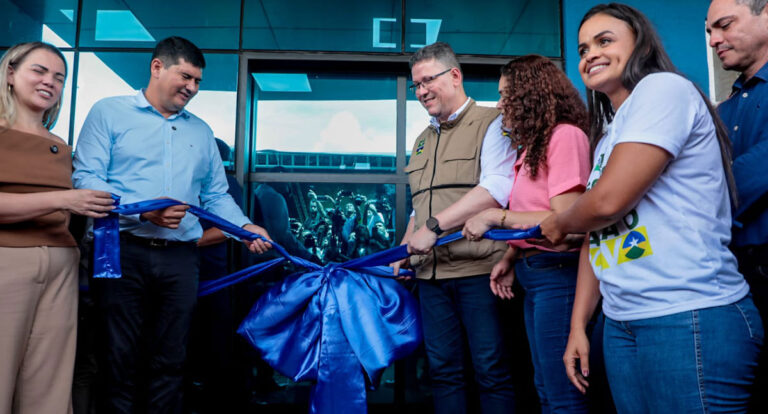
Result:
x=538 y=97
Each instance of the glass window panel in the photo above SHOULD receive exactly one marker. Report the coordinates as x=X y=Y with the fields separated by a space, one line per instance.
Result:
x=331 y=222
x=514 y=27
x=337 y=25
x=29 y=20
x=142 y=23
x=343 y=123
x=104 y=74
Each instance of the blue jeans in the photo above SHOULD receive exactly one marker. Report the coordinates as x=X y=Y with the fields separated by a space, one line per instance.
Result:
x=549 y=281
x=700 y=361
x=455 y=312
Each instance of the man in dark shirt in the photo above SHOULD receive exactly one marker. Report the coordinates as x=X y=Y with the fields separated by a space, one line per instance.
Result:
x=739 y=34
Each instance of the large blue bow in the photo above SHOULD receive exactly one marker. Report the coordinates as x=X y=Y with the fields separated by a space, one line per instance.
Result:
x=339 y=325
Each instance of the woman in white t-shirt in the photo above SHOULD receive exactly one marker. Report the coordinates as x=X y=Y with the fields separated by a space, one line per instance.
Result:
x=681 y=331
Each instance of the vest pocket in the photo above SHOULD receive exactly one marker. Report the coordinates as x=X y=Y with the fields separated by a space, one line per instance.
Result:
x=415 y=170
x=460 y=167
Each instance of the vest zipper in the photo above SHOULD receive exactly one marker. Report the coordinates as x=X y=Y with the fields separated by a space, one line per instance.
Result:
x=431 y=182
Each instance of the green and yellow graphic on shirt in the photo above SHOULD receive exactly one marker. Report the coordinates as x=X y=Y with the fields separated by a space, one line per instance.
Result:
x=623 y=242
x=634 y=245
x=597 y=169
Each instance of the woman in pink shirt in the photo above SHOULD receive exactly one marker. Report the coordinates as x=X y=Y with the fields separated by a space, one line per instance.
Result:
x=547 y=118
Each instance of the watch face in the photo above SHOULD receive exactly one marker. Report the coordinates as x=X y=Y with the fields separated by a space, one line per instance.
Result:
x=433 y=224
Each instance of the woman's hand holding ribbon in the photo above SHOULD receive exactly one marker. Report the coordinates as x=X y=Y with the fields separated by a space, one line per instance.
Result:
x=475 y=227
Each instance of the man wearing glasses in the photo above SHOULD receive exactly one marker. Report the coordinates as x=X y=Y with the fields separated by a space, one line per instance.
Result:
x=460 y=165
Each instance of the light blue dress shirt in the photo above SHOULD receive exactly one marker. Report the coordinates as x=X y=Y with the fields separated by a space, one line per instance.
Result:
x=128 y=148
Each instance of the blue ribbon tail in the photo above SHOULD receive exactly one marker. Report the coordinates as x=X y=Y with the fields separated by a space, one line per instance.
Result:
x=212 y=286
x=106 y=244
x=338 y=327
x=106 y=253
x=340 y=386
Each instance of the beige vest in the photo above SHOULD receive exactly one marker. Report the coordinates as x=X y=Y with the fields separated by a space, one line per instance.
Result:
x=443 y=167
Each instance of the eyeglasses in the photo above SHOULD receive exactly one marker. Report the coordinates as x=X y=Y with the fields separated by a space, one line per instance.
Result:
x=416 y=85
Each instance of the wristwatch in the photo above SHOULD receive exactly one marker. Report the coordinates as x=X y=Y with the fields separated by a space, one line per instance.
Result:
x=434 y=225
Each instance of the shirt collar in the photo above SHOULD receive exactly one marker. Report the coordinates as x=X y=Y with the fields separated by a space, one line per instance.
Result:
x=141 y=102
x=435 y=123
x=761 y=74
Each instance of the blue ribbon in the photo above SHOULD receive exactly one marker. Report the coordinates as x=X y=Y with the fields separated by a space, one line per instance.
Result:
x=339 y=326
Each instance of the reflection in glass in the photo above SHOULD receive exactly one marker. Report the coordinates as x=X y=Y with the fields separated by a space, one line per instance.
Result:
x=105 y=74
x=25 y=21
x=332 y=122
x=140 y=23
x=338 y=25
x=515 y=27
x=327 y=222
x=102 y=75
x=120 y=25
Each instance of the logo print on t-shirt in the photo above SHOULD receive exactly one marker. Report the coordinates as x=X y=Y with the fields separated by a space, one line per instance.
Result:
x=634 y=245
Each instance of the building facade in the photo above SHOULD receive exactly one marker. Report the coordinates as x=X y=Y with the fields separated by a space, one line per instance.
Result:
x=312 y=95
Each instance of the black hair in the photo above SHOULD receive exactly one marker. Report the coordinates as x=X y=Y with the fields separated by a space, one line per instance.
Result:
x=171 y=49
x=647 y=57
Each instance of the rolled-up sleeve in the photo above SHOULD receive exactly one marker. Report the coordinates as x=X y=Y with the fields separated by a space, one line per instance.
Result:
x=497 y=163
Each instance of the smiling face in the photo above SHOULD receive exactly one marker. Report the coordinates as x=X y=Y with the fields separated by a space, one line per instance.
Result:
x=38 y=80
x=739 y=37
x=605 y=46
x=173 y=86
x=440 y=96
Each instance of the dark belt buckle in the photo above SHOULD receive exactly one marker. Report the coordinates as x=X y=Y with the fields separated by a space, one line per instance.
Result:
x=158 y=243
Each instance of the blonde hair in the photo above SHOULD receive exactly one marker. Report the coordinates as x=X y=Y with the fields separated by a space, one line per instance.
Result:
x=12 y=58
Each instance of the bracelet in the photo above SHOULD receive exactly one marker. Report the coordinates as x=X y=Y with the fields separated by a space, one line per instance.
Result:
x=503 y=217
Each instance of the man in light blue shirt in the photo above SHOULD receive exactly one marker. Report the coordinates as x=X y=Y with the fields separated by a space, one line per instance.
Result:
x=142 y=147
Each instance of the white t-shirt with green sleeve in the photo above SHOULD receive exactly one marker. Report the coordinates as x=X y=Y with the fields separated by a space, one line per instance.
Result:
x=670 y=253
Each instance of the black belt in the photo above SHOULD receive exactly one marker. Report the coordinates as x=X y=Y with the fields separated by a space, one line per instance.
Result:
x=155 y=243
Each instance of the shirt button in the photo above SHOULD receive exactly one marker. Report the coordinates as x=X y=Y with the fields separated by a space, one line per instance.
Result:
x=174 y=128
x=744 y=95
x=736 y=128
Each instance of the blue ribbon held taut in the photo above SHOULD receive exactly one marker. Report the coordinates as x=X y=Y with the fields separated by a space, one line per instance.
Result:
x=338 y=325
